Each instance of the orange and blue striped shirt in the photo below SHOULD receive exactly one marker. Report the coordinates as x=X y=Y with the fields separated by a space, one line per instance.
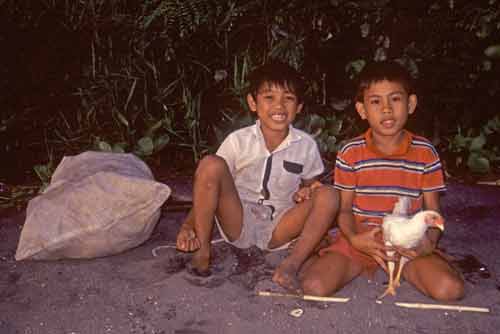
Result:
x=378 y=179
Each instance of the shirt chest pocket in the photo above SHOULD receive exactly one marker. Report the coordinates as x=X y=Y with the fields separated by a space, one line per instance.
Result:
x=290 y=174
x=292 y=167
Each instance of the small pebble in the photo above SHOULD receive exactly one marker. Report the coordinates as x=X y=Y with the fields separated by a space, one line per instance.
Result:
x=297 y=312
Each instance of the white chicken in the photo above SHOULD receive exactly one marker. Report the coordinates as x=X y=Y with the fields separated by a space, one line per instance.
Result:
x=402 y=231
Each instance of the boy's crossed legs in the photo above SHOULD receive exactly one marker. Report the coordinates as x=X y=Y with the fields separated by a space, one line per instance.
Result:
x=214 y=194
x=431 y=275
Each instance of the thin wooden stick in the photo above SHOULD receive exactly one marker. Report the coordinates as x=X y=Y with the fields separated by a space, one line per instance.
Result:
x=444 y=307
x=304 y=297
x=490 y=183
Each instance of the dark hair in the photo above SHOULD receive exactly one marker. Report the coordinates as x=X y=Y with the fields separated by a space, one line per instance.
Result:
x=379 y=71
x=276 y=73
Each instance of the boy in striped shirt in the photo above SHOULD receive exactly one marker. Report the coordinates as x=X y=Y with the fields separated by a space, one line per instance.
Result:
x=371 y=172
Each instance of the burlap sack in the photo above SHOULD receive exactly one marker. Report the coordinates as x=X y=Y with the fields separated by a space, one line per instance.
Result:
x=97 y=204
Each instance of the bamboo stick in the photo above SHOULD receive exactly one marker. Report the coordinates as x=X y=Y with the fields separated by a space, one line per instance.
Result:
x=490 y=183
x=303 y=297
x=444 y=307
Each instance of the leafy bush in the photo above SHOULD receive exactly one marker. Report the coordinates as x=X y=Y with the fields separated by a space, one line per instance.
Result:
x=158 y=77
x=479 y=152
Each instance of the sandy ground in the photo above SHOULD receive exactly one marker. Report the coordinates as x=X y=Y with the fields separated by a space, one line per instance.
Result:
x=136 y=292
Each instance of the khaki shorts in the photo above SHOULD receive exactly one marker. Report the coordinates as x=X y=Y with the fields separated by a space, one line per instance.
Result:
x=259 y=223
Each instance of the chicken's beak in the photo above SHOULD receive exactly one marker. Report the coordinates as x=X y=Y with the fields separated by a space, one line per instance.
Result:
x=439 y=223
x=435 y=220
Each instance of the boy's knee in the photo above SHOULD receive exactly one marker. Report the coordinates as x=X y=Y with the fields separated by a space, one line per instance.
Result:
x=327 y=196
x=313 y=286
x=449 y=289
x=211 y=164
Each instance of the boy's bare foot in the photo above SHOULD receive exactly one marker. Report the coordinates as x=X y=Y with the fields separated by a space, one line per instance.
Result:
x=286 y=275
x=187 y=241
x=200 y=263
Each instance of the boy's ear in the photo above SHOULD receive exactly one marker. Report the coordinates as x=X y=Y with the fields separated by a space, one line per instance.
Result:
x=412 y=103
x=251 y=102
x=360 y=108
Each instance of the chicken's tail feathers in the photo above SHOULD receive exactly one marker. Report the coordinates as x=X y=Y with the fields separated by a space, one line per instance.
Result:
x=402 y=206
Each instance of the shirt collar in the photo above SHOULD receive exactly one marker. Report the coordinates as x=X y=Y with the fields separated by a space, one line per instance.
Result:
x=293 y=134
x=401 y=150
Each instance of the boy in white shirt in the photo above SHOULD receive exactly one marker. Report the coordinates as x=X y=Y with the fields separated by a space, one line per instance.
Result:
x=261 y=186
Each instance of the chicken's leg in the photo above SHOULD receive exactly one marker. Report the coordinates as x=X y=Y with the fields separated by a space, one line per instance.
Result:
x=390 y=266
x=402 y=262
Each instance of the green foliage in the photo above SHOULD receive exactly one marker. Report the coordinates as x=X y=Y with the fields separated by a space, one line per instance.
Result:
x=230 y=123
x=476 y=151
x=327 y=125
x=151 y=142
x=156 y=76
x=493 y=51
x=17 y=196
x=183 y=15
x=44 y=173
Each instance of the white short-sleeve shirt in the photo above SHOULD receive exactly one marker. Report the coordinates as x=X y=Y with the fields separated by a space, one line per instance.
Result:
x=270 y=178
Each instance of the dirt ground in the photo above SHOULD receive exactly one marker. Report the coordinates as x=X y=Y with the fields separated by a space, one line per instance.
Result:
x=137 y=292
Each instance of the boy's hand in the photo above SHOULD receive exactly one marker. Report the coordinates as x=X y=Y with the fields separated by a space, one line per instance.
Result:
x=367 y=243
x=305 y=193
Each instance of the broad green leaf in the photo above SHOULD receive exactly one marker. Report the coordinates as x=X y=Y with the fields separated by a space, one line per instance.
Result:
x=316 y=123
x=355 y=66
x=492 y=126
x=335 y=127
x=478 y=142
x=459 y=142
x=493 y=51
x=331 y=144
x=487 y=65
x=145 y=145
x=44 y=172
x=117 y=148
x=478 y=163
x=160 y=142
x=104 y=146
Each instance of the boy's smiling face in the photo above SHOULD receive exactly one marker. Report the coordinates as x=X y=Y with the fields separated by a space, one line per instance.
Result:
x=276 y=107
x=386 y=106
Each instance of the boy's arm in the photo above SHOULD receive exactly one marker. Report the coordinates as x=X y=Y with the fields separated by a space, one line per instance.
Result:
x=345 y=218
x=431 y=202
x=365 y=242
x=306 y=189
